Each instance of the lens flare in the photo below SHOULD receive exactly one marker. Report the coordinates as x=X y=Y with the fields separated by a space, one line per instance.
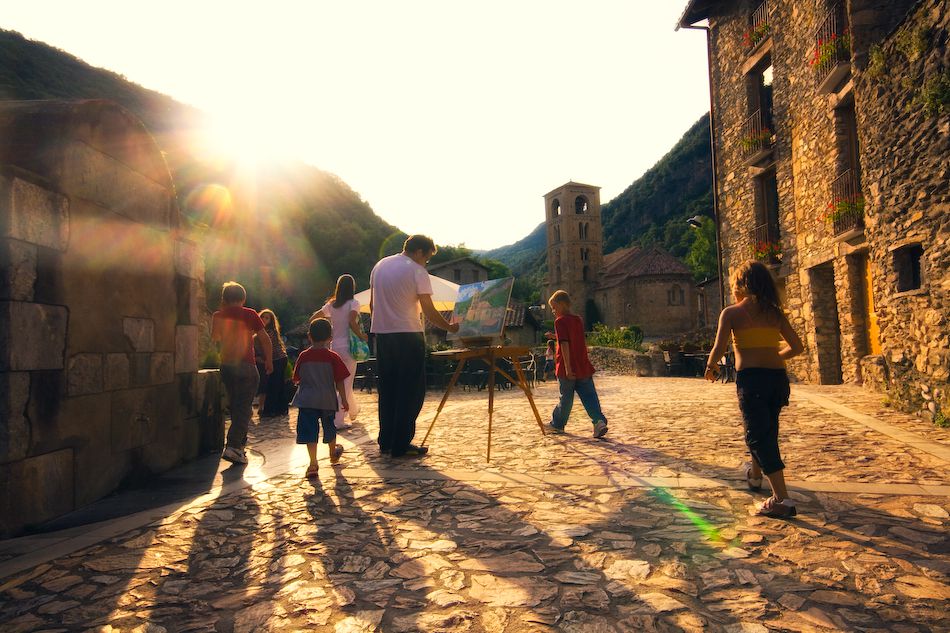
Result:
x=704 y=526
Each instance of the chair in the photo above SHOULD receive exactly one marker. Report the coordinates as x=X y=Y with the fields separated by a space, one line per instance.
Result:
x=727 y=368
x=674 y=363
x=365 y=377
x=529 y=367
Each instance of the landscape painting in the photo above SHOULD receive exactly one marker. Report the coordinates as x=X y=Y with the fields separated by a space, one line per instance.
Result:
x=480 y=309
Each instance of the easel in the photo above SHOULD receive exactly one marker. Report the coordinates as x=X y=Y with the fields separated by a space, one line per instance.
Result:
x=490 y=354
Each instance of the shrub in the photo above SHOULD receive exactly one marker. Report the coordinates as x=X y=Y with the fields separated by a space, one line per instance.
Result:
x=622 y=337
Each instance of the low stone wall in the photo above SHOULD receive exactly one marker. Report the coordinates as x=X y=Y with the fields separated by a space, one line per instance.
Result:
x=612 y=360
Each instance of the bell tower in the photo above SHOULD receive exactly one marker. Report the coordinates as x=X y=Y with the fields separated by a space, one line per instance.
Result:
x=575 y=241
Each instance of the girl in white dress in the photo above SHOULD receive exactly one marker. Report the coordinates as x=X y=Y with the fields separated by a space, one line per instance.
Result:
x=342 y=310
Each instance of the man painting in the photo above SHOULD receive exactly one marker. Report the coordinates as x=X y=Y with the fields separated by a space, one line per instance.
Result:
x=399 y=288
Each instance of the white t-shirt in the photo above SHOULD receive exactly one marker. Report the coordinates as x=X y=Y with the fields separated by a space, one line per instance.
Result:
x=396 y=283
x=340 y=321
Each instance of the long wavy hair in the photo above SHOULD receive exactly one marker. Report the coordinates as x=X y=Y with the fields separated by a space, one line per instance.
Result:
x=755 y=280
x=274 y=325
x=345 y=290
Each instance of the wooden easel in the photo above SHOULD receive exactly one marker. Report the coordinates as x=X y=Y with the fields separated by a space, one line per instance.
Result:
x=490 y=354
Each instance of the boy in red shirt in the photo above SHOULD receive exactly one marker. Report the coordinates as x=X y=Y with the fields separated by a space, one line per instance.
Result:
x=233 y=328
x=319 y=374
x=573 y=368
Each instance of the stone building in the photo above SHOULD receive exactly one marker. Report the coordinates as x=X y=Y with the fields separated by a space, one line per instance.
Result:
x=463 y=270
x=645 y=287
x=101 y=296
x=832 y=159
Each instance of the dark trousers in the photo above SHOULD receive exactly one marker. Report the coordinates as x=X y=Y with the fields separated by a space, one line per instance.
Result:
x=762 y=394
x=240 y=382
x=401 y=367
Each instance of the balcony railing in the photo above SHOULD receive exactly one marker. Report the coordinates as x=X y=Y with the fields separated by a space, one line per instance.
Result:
x=756 y=138
x=766 y=246
x=845 y=211
x=831 y=57
x=759 y=28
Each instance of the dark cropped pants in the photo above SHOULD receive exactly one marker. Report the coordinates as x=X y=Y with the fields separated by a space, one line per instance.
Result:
x=762 y=394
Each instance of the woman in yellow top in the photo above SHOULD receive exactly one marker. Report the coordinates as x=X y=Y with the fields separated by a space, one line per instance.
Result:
x=764 y=340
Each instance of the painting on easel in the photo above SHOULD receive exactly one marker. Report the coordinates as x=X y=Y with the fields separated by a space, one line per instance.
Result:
x=481 y=308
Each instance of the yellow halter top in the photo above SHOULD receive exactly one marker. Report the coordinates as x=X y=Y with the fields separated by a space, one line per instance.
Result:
x=751 y=337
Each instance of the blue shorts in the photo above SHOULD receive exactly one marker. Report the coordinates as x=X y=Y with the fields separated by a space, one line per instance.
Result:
x=308 y=430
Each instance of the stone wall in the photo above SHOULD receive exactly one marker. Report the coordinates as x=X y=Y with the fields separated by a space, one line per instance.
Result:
x=901 y=156
x=906 y=159
x=100 y=304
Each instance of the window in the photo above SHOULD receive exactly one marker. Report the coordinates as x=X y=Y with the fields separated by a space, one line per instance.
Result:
x=907 y=266
x=765 y=236
x=557 y=233
x=580 y=205
x=555 y=208
x=585 y=254
x=585 y=272
x=582 y=230
x=675 y=296
x=557 y=274
x=457 y=273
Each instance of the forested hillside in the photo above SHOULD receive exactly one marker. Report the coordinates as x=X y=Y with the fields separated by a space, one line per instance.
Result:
x=652 y=210
x=286 y=231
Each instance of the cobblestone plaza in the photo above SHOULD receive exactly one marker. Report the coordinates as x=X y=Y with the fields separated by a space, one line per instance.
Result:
x=647 y=530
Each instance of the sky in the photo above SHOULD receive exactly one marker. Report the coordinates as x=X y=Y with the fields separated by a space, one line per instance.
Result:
x=451 y=119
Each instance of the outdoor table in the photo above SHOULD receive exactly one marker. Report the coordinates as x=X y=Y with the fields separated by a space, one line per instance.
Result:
x=490 y=355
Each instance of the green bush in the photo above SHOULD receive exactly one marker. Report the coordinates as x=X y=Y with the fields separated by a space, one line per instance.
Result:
x=941 y=420
x=622 y=337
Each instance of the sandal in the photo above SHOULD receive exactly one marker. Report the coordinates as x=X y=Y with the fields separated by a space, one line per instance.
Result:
x=776 y=509
x=312 y=472
x=335 y=458
x=755 y=485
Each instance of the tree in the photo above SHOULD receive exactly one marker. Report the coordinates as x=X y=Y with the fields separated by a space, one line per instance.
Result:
x=701 y=258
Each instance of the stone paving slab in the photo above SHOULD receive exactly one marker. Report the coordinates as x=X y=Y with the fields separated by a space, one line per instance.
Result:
x=649 y=531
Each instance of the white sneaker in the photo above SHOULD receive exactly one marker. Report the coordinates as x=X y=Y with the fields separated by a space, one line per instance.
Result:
x=234 y=455
x=342 y=426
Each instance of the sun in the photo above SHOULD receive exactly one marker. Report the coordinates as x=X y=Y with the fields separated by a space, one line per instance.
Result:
x=252 y=138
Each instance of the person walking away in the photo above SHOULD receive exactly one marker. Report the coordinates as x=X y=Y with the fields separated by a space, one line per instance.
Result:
x=764 y=340
x=549 y=355
x=573 y=368
x=399 y=289
x=272 y=397
x=234 y=328
x=343 y=312
x=319 y=374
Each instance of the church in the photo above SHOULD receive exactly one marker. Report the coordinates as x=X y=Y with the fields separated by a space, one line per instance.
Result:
x=646 y=287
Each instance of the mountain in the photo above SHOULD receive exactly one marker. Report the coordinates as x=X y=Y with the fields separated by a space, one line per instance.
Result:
x=286 y=230
x=652 y=210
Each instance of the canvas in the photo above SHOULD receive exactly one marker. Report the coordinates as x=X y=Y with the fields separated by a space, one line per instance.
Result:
x=481 y=308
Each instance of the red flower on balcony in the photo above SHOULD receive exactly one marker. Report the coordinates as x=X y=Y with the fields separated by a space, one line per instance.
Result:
x=842 y=207
x=766 y=250
x=827 y=50
x=752 y=37
x=756 y=140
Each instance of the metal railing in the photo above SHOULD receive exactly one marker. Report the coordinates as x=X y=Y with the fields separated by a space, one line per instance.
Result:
x=832 y=43
x=759 y=27
x=765 y=243
x=845 y=211
x=755 y=135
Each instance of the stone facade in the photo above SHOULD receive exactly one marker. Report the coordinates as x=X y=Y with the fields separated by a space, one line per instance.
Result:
x=648 y=288
x=464 y=270
x=830 y=168
x=99 y=299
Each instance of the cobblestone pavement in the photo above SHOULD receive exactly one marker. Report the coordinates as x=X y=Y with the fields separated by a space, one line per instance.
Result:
x=647 y=530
